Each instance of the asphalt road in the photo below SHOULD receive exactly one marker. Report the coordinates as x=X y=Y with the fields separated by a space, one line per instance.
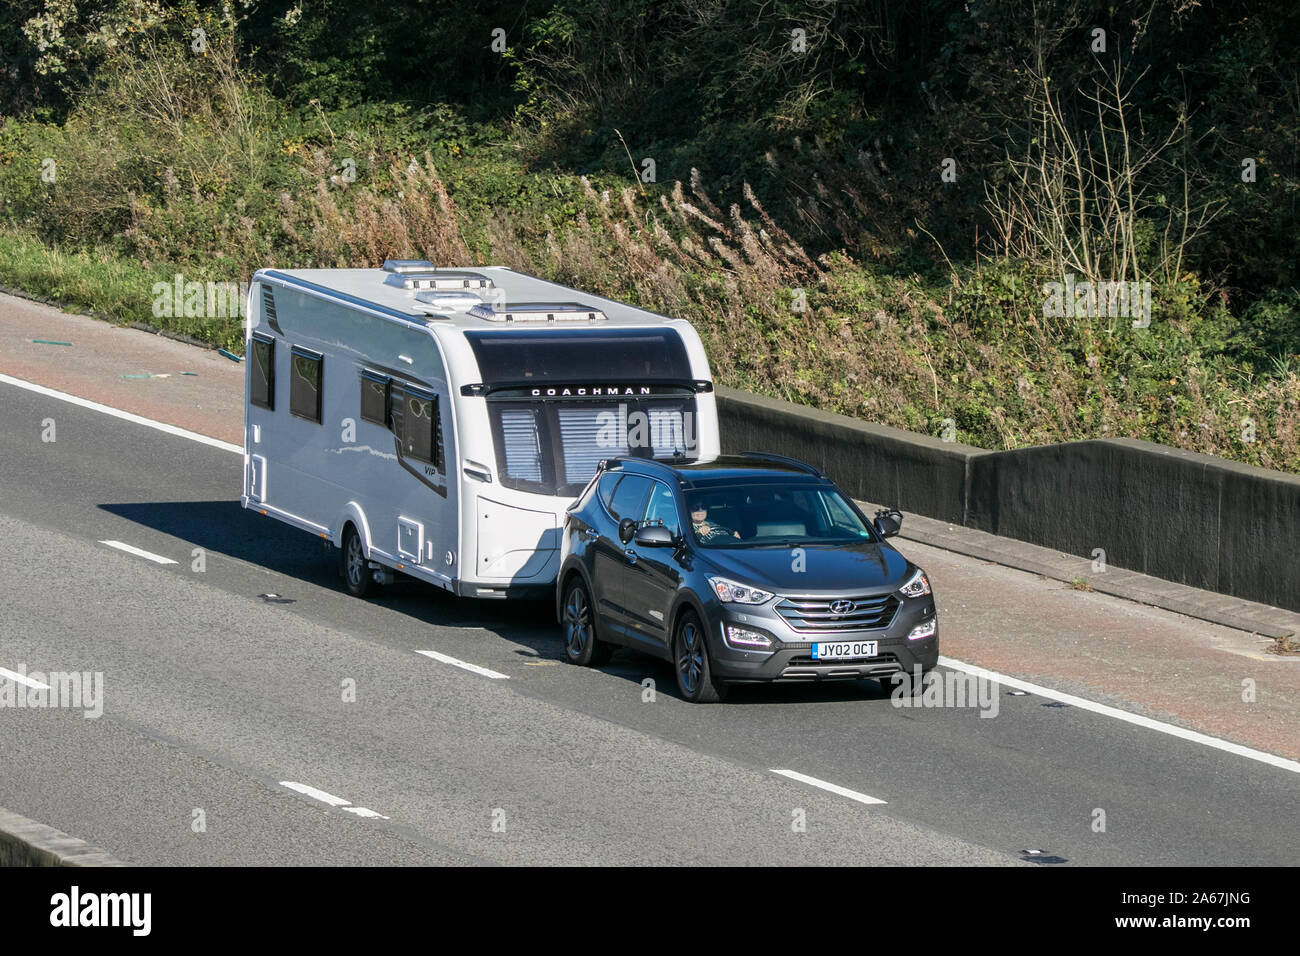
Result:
x=216 y=696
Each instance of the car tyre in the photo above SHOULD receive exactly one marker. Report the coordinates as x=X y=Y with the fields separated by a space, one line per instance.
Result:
x=581 y=645
x=355 y=568
x=691 y=662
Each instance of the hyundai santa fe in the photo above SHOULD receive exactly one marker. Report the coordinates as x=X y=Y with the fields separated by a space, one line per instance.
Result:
x=737 y=569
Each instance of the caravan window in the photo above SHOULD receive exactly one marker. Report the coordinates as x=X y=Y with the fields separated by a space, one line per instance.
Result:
x=305 y=384
x=421 y=431
x=588 y=435
x=374 y=397
x=520 y=448
x=554 y=447
x=580 y=355
x=261 y=371
x=413 y=418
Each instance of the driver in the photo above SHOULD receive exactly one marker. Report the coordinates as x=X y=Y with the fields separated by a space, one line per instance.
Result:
x=706 y=530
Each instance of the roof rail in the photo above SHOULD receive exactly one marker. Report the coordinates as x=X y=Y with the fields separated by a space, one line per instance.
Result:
x=539 y=312
x=783 y=460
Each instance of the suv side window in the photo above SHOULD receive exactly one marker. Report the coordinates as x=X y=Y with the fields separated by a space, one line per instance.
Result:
x=662 y=509
x=605 y=488
x=629 y=497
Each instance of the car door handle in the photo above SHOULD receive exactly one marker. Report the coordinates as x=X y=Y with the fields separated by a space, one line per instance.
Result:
x=591 y=533
x=631 y=556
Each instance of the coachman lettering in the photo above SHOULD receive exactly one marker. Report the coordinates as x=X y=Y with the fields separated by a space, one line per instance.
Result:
x=594 y=390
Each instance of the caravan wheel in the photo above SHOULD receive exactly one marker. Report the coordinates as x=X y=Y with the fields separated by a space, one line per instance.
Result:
x=352 y=562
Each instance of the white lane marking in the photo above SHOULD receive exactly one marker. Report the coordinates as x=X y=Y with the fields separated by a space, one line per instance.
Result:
x=1189 y=735
x=23 y=679
x=1273 y=760
x=363 y=812
x=333 y=801
x=138 y=552
x=315 y=794
x=832 y=787
x=118 y=413
x=474 y=668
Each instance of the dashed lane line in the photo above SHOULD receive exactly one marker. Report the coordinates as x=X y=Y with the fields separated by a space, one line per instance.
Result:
x=23 y=679
x=831 y=787
x=138 y=552
x=331 y=800
x=472 y=668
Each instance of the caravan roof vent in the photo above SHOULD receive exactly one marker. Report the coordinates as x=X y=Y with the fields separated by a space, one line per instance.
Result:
x=439 y=281
x=539 y=312
x=405 y=266
x=460 y=300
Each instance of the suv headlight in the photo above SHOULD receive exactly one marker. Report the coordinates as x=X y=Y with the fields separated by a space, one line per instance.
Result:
x=729 y=592
x=922 y=631
x=918 y=585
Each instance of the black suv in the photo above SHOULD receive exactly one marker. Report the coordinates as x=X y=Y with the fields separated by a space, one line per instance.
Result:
x=740 y=568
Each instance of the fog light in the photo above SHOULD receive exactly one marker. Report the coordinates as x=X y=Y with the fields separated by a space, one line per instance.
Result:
x=924 y=630
x=743 y=637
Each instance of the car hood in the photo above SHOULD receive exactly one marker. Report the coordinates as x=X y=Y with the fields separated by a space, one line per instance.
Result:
x=856 y=567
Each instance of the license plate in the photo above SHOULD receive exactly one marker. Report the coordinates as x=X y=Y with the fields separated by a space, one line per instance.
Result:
x=841 y=650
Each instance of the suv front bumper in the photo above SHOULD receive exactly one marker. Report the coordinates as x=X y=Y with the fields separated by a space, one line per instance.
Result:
x=790 y=657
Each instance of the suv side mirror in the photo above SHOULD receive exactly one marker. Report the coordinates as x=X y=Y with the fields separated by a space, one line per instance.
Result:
x=653 y=536
x=626 y=529
x=889 y=521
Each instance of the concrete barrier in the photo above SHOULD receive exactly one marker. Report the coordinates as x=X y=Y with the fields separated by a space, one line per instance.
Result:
x=25 y=842
x=871 y=462
x=1182 y=516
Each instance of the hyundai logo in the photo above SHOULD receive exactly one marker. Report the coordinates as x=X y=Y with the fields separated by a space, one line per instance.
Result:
x=842 y=607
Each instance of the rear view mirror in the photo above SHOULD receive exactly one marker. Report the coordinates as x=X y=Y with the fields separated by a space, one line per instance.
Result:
x=626 y=529
x=654 y=536
x=889 y=521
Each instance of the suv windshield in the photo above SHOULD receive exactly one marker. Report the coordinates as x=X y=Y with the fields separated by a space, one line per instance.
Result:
x=778 y=515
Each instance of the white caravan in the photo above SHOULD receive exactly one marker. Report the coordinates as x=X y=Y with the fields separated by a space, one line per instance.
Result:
x=438 y=421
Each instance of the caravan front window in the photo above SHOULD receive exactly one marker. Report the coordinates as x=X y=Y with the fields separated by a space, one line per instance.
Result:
x=562 y=400
x=548 y=356
x=521 y=449
x=552 y=447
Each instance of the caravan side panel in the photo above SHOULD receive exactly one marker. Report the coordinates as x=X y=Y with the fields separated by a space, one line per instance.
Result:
x=317 y=461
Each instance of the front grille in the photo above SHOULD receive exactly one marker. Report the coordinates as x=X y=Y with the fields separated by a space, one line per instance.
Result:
x=881 y=660
x=814 y=615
